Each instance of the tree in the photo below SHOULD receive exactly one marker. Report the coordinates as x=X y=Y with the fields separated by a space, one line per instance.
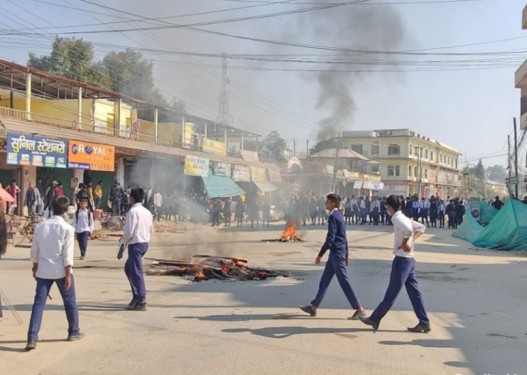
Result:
x=479 y=171
x=497 y=173
x=71 y=58
x=273 y=148
x=125 y=72
x=133 y=76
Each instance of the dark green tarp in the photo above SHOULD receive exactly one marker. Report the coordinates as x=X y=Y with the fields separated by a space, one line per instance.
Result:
x=507 y=231
x=486 y=212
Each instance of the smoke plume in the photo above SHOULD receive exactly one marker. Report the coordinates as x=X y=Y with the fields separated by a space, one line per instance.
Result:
x=359 y=27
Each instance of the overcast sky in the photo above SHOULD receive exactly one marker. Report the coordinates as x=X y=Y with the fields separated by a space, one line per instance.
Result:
x=456 y=85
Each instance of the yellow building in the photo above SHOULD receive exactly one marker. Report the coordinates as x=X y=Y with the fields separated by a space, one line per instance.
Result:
x=409 y=163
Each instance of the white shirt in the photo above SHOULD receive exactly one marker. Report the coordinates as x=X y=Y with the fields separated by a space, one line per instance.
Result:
x=138 y=226
x=83 y=223
x=158 y=200
x=404 y=227
x=375 y=204
x=52 y=248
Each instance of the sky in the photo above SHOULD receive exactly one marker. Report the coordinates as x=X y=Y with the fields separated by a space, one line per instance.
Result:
x=443 y=68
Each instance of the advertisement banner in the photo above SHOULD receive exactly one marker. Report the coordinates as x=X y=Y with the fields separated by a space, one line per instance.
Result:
x=196 y=166
x=214 y=147
x=274 y=174
x=357 y=185
x=188 y=132
x=92 y=156
x=250 y=156
x=258 y=174
x=222 y=169
x=376 y=185
x=241 y=173
x=32 y=150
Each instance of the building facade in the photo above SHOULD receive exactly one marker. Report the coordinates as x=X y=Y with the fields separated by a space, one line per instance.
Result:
x=408 y=163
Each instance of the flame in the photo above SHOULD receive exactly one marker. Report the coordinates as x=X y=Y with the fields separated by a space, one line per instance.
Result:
x=290 y=234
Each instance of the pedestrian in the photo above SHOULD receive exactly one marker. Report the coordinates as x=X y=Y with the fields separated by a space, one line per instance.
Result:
x=49 y=197
x=116 y=194
x=33 y=201
x=433 y=211
x=451 y=212
x=266 y=213
x=136 y=236
x=497 y=204
x=83 y=223
x=363 y=210
x=3 y=232
x=239 y=211
x=375 y=209
x=97 y=194
x=59 y=190
x=441 y=213
x=424 y=211
x=406 y=231
x=460 y=212
x=158 y=205
x=337 y=244
x=52 y=257
x=13 y=190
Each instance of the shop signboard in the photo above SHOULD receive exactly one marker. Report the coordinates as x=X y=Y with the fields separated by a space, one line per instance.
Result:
x=241 y=173
x=258 y=174
x=36 y=151
x=196 y=166
x=221 y=169
x=214 y=147
x=92 y=156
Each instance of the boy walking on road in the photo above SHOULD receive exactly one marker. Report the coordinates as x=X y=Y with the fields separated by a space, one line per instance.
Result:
x=406 y=231
x=337 y=244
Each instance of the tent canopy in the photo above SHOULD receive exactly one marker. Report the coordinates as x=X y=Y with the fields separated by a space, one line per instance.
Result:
x=221 y=187
x=506 y=231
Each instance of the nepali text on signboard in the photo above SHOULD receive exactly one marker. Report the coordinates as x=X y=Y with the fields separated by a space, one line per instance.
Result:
x=32 y=150
x=221 y=169
x=196 y=166
x=241 y=173
x=92 y=156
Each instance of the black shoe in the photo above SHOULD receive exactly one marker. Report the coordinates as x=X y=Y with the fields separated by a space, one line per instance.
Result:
x=75 y=336
x=309 y=310
x=31 y=344
x=137 y=307
x=420 y=328
x=133 y=302
x=369 y=322
x=357 y=315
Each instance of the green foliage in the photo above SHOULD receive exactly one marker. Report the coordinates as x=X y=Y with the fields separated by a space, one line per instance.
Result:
x=125 y=72
x=274 y=148
x=479 y=171
x=497 y=173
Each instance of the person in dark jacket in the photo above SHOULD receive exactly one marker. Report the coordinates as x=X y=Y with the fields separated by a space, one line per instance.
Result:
x=337 y=244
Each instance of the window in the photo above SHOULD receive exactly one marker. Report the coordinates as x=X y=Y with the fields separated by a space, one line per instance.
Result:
x=394 y=149
x=431 y=155
x=375 y=149
x=416 y=172
x=410 y=150
x=394 y=171
x=357 y=148
x=409 y=171
x=375 y=168
x=426 y=154
x=426 y=173
x=456 y=163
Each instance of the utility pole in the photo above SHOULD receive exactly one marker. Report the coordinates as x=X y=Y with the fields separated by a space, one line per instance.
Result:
x=307 y=149
x=516 y=185
x=509 y=167
x=420 y=168
x=294 y=147
x=223 y=105
x=336 y=164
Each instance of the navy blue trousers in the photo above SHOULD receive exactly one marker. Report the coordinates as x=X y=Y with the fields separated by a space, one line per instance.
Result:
x=41 y=296
x=82 y=239
x=403 y=273
x=336 y=265
x=134 y=270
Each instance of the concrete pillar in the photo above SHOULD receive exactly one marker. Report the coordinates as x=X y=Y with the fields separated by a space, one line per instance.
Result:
x=205 y=130
x=182 y=130
x=225 y=135
x=156 y=123
x=79 y=109
x=117 y=119
x=257 y=146
x=119 y=171
x=28 y=96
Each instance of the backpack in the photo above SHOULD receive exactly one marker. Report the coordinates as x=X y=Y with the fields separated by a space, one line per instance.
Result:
x=77 y=216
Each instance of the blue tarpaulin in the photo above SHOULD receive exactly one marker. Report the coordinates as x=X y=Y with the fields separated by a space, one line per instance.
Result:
x=221 y=186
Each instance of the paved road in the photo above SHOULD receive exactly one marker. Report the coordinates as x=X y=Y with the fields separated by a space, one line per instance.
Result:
x=476 y=300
